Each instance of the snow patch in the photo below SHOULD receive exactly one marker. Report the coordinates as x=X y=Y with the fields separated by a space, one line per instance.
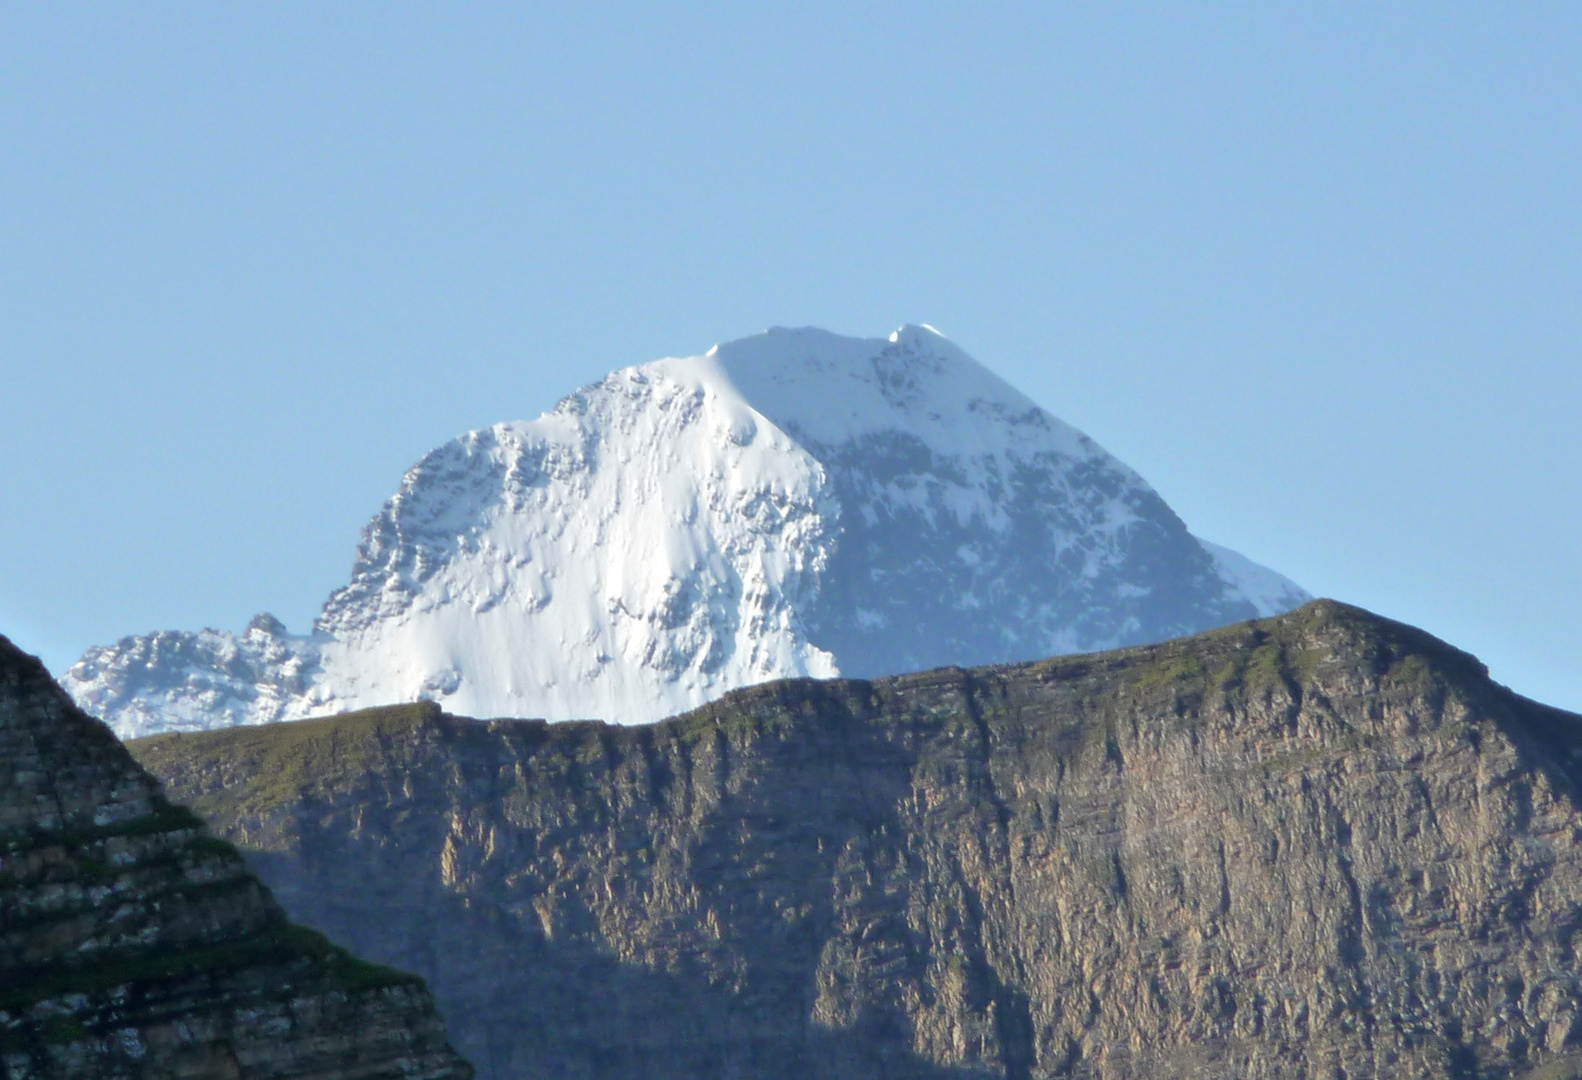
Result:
x=1271 y=593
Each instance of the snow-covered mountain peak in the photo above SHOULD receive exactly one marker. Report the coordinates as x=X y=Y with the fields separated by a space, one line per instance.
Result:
x=651 y=540
x=791 y=503
x=828 y=390
x=919 y=331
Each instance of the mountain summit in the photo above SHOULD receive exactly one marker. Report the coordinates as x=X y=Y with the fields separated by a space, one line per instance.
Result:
x=793 y=503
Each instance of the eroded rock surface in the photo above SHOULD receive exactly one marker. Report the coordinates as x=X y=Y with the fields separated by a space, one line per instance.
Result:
x=135 y=945
x=1320 y=845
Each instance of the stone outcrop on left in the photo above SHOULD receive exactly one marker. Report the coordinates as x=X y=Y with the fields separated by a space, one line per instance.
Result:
x=133 y=944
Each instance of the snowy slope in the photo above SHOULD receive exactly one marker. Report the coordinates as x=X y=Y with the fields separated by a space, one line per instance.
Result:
x=178 y=681
x=1269 y=592
x=647 y=546
x=794 y=503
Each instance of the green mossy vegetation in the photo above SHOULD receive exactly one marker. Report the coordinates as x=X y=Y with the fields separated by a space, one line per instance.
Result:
x=284 y=762
x=320 y=966
x=167 y=817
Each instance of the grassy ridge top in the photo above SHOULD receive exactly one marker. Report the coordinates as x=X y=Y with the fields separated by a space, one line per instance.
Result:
x=1323 y=631
x=248 y=771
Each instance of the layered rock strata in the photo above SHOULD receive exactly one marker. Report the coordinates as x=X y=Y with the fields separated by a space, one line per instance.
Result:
x=1320 y=845
x=135 y=945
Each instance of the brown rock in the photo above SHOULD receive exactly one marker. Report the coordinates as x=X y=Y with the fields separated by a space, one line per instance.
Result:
x=1322 y=845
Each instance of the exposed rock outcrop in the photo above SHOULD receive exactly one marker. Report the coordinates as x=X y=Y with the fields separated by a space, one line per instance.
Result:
x=135 y=945
x=1321 y=845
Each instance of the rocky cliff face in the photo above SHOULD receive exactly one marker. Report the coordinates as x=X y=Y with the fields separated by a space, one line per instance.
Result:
x=134 y=945
x=795 y=503
x=1321 y=845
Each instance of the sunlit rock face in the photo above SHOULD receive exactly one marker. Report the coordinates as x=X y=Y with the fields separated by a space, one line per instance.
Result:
x=1318 y=845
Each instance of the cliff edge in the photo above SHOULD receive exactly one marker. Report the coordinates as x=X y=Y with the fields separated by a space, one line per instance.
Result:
x=1318 y=845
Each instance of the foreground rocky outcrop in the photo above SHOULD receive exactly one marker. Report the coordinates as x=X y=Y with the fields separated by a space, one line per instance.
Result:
x=135 y=945
x=1321 y=845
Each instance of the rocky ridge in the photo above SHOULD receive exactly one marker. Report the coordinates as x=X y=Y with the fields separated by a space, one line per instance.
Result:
x=135 y=945
x=791 y=504
x=1319 y=845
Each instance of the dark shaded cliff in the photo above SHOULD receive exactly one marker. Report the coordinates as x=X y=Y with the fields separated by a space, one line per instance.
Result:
x=1321 y=845
x=135 y=945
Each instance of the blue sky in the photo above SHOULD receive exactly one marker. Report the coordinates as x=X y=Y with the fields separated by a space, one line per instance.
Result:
x=1314 y=273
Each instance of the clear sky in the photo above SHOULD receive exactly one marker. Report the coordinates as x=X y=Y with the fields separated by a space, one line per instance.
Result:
x=1314 y=271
